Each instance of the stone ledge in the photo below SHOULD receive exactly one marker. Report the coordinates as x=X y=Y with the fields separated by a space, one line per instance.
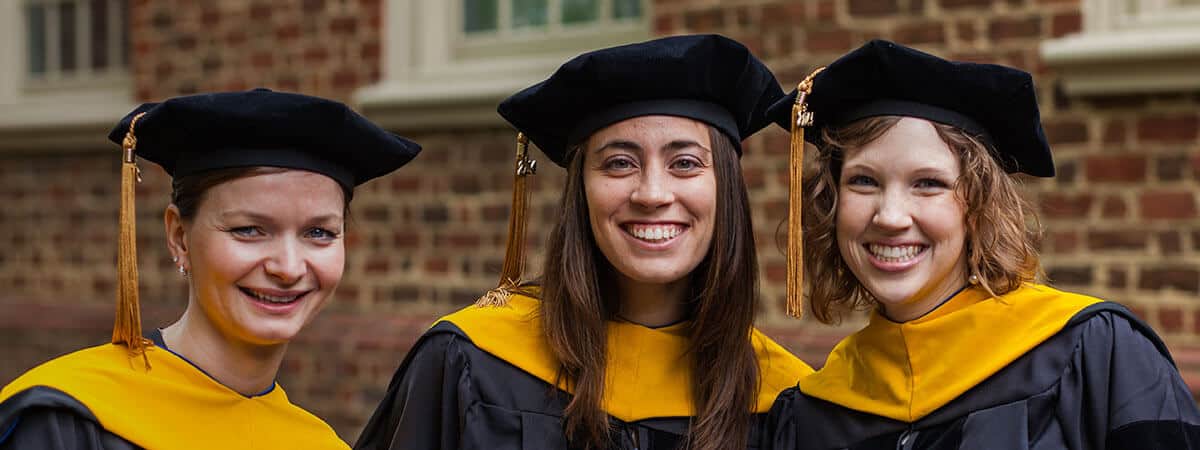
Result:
x=1128 y=61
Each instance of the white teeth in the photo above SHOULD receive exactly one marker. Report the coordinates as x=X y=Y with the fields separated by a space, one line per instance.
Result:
x=900 y=253
x=271 y=298
x=654 y=232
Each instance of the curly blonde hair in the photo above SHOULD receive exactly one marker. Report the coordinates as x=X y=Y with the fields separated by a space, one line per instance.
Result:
x=1002 y=230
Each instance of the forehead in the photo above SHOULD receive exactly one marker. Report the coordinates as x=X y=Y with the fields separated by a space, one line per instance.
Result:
x=910 y=144
x=283 y=190
x=652 y=129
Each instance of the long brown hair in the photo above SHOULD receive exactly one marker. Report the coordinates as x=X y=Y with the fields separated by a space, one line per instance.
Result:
x=722 y=301
x=1002 y=231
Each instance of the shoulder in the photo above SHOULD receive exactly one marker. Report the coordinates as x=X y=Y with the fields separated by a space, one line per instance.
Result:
x=83 y=366
x=43 y=417
x=1112 y=324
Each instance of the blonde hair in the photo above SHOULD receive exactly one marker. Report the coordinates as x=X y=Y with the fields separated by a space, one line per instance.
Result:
x=1002 y=230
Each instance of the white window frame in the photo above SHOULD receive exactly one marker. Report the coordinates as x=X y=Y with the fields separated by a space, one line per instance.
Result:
x=1155 y=49
x=55 y=112
x=435 y=77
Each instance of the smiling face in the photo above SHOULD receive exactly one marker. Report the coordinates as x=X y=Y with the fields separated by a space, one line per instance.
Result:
x=900 y=224
x=651 y=196
x=264 y=252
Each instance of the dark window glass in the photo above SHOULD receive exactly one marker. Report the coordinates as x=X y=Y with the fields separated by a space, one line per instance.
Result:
x=479 y=15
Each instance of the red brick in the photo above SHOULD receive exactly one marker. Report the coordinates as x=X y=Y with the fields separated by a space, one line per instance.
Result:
x=1116 y=168
x=1070 y=276
x=1063 y=242
x=1168 y=128
x=1068 y=131
x=1015 y=28
x=437 y=265
x=966 y=31
x=786 y=14
x=370 y=51
x=210 y=17
x=701 y=21
x=1170 y=319
x=1114 y=132
x=377 y=265
x=826 y=10
x=260 y=12
x=664 y=25
x=1117 y=278
x=1066 y=206
x=262 y=60
x=1066 y=23
x=345 y=79
x=1170 y=167
x=1162 y=278
x=1113 y=207
x=922 y=33
x=960 y=4
x=1117 y=240
x=406 y=239
x=873 y=8
x=828 y=41
x=343 y=26
x=1170 y=242
x=776 y=272
x=460 y=240
x=315 y=55
x=1168 y=205
x=287 y=32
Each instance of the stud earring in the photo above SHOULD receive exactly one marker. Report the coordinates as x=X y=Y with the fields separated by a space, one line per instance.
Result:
x=175 y=259
x=182 y=271
x=973 y=279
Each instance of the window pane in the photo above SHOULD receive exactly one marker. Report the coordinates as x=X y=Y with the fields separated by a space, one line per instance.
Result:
x=37 y=39
x=580 y=11
x=479 y=15
x=529 y=13
x=66 y=37
x=99 y=37
x=627 y=9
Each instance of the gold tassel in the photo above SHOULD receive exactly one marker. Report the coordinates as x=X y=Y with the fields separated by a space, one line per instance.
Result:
x=127 y=328
x=801 y=118
x=514 y=251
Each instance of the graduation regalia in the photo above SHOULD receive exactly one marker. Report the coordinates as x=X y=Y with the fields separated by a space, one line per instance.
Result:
x=135 y=392
x=101 y=399
x=1035 y=368
x=484 y=378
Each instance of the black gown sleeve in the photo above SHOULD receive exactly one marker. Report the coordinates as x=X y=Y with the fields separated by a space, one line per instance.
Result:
x=46 y=418
x=1125 y=391
x=425 y=401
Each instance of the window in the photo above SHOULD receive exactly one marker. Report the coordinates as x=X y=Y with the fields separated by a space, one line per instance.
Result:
x=74 y=41
x=449 y=62
x=1130 y=46
x=64 y=75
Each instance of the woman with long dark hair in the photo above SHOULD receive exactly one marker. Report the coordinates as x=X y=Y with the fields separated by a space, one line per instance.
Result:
x=910 y=213
x=639 y=334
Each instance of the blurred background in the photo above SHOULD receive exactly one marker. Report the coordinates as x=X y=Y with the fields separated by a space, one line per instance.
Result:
x=1118 y=82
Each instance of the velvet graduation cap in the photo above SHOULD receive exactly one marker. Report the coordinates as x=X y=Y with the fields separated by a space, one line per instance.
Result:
x=197 y=133
x=709 y=78
x=997 y=104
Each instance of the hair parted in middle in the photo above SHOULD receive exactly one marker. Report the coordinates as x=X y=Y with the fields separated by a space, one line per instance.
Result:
x=1002 y=229
x=578 y=298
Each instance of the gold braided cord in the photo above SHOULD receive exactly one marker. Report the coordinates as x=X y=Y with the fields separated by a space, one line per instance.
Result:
x=514 y=251
x=801 y=118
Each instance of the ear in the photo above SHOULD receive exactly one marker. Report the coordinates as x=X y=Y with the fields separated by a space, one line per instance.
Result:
x=176 y=232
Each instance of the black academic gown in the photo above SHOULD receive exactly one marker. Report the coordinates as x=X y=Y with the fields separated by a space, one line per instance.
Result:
x=1104 y=380
x=449 y=393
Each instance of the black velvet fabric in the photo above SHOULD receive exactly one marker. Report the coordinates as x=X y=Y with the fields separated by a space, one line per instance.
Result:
x=709 y=78
x=191 y=134
x=996 y=103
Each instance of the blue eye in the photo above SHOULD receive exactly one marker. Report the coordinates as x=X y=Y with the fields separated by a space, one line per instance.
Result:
x=246 y=232
x=861 y=180
x=930 y=183
x=320 y=234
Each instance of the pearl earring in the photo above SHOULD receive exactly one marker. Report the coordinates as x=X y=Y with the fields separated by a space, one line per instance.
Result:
x=973 y=279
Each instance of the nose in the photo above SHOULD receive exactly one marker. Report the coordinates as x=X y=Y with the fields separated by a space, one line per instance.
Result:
x=893 y=212
x=653 y=190
x=286 y=263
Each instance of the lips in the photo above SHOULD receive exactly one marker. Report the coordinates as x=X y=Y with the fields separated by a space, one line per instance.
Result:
x=654 y=233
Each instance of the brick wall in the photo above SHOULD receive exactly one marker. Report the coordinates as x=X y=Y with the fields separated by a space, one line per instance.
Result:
x=1121 y=217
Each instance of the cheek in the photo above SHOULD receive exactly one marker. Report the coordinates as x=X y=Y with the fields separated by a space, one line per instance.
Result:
x=330 y=264
x=944 y=220
x=853 y=214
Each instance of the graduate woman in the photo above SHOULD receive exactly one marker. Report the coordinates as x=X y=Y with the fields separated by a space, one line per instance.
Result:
x=639 y=333
x=911 y=214
x=261 y=185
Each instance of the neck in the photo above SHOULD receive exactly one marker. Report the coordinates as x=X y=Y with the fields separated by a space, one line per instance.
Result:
x=924 y=304
x=652 y=304
x=245 y=368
